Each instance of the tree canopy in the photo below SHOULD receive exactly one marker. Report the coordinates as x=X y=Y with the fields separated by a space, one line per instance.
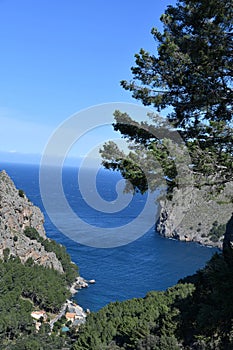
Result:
x=192 y=70
x=190 y=75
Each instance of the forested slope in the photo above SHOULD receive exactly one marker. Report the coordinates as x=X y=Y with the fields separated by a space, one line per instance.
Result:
x=195 y=314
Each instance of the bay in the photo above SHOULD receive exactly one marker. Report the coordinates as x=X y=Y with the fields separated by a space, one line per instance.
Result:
x=149 y=263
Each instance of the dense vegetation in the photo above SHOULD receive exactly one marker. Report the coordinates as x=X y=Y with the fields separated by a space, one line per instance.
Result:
x=37 y=341
x=24 y=287
x=132 y=323
x=194 y=314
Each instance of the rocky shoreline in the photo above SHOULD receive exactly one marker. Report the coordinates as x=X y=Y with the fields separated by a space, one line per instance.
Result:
x=80 y=314
x=80 y=283
x=196 y=215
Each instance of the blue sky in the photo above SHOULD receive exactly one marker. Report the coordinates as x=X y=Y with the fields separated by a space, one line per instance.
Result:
x=59 y=57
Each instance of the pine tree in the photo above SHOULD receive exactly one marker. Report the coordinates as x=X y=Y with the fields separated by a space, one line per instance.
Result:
x=190 y=74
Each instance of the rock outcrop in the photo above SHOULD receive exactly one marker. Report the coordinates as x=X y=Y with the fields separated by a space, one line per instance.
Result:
x=17 y=213
x=197 y=215
x=80 y=283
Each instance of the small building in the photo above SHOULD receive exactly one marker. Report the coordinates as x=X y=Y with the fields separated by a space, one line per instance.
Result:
x=70 y=316
x=38 y=314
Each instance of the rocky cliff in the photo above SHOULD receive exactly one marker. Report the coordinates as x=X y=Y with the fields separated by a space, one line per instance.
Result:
x=198 y=215
x=17 y=213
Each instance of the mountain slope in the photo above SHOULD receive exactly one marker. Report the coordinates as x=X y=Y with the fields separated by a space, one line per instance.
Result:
x=16 y=214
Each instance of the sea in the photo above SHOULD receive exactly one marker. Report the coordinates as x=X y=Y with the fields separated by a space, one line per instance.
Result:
x=150 y=262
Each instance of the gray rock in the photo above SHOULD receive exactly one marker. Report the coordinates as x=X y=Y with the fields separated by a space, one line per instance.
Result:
x=17 y=213
x=191 y=213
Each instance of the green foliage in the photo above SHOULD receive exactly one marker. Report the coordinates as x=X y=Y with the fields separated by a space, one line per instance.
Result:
x=191 y=75
x=192 y=71
x=37 y=341
x=134 y=323
x=149 y=158
x=6 y=254
x=46 y=288
x=217 y=231
x=194 y=314
x=158 y=343
x=26 y=286
x=70 y=269
x=32 y=233
x=23 y=285
x=208 y=314
x=21 y=193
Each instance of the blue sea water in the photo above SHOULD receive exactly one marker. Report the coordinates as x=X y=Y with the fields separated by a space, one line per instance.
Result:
x=149 y=263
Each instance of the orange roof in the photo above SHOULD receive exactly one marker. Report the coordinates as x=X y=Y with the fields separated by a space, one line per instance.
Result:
x=70 y=315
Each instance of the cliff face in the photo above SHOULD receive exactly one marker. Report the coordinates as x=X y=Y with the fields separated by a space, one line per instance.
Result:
x=197 y=215
x=17 y=213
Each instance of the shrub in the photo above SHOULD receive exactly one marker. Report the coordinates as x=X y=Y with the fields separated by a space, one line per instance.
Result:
x=21 y=193
x=217 y=231
x=32 y=233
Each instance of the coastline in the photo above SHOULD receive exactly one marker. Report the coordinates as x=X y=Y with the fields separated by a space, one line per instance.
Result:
x=196 y=215
x=80 y=283
x=72 y=311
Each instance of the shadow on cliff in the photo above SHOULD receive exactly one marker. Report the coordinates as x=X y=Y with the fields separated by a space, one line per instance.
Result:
x=228 y=242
